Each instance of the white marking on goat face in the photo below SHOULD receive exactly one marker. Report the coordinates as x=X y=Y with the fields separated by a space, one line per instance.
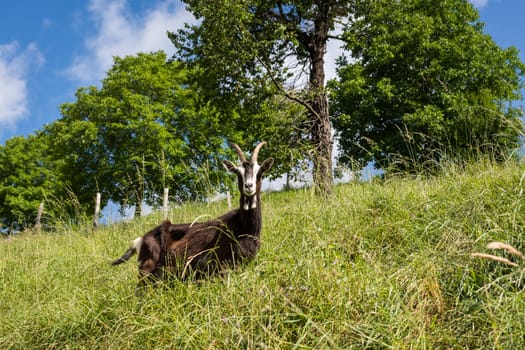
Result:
x=248 y=172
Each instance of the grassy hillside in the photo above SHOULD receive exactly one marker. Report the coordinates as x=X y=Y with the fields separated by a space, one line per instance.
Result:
x=384 y=264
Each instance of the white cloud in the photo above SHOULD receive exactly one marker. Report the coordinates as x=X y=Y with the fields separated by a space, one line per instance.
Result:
x=47 y=23
x=122 y=33
x=15 y=65
x=479 y=3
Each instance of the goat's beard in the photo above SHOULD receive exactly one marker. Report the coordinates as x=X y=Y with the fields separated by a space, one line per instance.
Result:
x=249 y=203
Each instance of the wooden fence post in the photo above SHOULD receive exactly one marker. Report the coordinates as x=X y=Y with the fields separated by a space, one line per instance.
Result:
x=165 y=203
x=38 y=225
x=97 y=210
x=229 y=199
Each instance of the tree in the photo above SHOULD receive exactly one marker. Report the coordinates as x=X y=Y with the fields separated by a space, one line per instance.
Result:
x=28 y=178
x=424 y=83
x=244 y=48
x=143 y=130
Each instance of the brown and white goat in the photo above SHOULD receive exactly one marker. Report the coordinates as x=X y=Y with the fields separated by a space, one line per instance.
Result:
x=205 y=248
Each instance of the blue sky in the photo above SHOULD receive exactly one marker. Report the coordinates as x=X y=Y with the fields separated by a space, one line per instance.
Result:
x=48 y=49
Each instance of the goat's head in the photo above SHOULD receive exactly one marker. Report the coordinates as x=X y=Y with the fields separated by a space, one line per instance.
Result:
x=249 y=173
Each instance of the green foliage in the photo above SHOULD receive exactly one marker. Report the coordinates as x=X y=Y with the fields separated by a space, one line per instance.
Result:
x=281 y=123
x=244 y=49
x=238 y=69
x=425 y=83
x=28 y=177
x=382 y=264
x=143 y=130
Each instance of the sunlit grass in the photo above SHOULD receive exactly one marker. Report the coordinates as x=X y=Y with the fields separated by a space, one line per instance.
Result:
x=381 y=264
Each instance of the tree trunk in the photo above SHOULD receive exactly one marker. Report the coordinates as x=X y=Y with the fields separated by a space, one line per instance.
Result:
x=139 y=198
x=322 y=141
x=139 y=190
x=321 y=127
x=138 y=209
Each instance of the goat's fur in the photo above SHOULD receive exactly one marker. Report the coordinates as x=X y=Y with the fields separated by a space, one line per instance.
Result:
x=205 y=248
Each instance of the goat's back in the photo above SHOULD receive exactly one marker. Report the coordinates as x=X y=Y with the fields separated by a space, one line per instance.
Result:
x=207 y=247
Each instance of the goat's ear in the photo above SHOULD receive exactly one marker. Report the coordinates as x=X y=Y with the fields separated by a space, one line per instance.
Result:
x=230 y=166
x=266 y=165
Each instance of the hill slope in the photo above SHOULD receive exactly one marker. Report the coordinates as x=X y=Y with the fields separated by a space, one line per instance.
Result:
x=384 y=264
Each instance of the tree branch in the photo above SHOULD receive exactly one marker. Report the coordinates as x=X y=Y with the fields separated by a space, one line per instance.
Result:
x=283 y=91
x=336 y=37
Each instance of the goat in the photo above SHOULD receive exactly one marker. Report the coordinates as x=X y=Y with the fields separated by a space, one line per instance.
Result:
x=205 y=248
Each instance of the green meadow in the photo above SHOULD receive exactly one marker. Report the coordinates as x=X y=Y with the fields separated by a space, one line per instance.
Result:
x=382 y=264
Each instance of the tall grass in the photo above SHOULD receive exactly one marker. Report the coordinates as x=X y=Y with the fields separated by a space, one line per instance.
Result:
x=381 y=264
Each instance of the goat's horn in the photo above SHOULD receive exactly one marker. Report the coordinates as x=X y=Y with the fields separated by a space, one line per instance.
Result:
x=256 y=151
x=239 y=151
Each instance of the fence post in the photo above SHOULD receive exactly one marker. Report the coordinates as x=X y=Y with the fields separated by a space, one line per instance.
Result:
x=38 y=226
x=97 y=210
x=229 y=199
x=165 y=203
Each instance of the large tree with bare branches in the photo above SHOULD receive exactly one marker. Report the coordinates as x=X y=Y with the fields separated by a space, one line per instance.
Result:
x=247 y=48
